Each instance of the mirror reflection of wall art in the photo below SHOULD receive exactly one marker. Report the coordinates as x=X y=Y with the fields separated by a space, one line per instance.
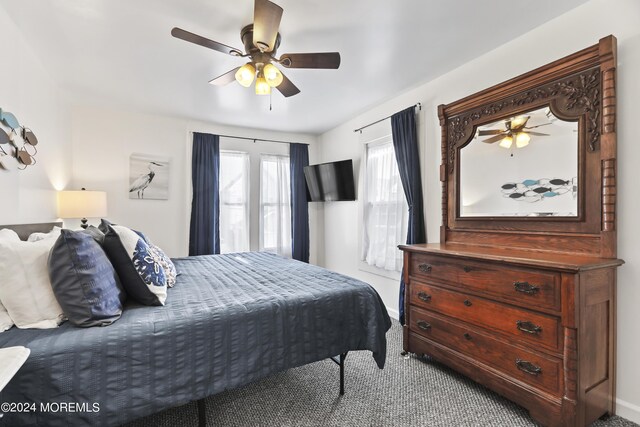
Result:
x=148 y=177
x=536 y=190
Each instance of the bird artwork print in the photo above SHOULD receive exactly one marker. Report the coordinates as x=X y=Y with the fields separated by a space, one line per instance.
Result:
x=148 y=179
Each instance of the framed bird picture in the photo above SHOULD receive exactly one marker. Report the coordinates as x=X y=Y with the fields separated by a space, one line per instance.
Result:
x=148 y=177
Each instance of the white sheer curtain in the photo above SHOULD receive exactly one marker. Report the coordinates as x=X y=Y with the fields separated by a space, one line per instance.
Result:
x=234 y=201
x=385 y=207
x=275 y=205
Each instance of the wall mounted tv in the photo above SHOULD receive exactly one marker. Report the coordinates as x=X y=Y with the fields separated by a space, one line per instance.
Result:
x=330 y=182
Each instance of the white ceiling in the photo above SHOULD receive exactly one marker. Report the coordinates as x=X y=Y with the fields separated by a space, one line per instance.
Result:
x=119 y=52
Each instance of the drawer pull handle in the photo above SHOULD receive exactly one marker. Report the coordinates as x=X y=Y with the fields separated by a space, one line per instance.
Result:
x=425 y=268
x=526 y=288
x=467 y=303
x=467 y=336
x=467 y=269
x=423 y=325
x=424 y=296
x=528 y=327
x=528 y=367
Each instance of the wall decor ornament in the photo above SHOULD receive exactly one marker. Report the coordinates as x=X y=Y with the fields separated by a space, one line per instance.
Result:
x=17 y=143
x=148 y=177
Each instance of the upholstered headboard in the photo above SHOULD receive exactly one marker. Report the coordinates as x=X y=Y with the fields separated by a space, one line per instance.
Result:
x=24 y=230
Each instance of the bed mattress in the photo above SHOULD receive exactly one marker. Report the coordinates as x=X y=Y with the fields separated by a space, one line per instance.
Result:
x=230 y=320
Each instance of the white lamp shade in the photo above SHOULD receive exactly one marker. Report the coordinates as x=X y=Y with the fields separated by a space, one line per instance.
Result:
x=82 y=204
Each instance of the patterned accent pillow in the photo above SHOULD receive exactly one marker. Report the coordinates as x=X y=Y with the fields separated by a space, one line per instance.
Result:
x=166 y=263
x=141 y=274
x=162 y=258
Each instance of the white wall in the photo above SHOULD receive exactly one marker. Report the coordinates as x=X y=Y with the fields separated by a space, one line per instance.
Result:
x=575 y=30
x=27 y=91
x=103 y=140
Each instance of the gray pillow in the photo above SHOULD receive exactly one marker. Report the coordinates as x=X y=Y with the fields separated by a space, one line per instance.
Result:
x=95 y=232
x=84 y=281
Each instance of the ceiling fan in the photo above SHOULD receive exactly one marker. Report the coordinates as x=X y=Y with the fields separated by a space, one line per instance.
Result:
x=514 y=128
x=261 y=40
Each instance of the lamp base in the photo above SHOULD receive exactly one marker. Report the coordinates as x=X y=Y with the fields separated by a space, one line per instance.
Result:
x=84 y=224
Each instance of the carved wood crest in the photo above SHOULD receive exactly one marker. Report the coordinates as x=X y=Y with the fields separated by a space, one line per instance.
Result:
x=573 y=96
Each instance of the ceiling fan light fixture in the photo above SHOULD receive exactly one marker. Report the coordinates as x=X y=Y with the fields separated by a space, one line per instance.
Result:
x=262 y=87
x=245 y=74
x=522 y=140
x=272 y=75
x=506 y=142
x=518 y=121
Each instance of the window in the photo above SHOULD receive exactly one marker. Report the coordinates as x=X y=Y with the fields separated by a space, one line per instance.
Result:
x=234 y=201
x=275 y=205
x=385 y=207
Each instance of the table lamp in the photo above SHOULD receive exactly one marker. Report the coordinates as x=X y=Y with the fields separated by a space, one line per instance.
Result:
x=82 y=204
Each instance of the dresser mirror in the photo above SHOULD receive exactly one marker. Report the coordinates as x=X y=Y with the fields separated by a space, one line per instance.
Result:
x=530 y=163
x=523 y=165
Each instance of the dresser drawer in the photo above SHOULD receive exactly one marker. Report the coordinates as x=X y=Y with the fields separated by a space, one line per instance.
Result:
x=523 y=287
x=529 y=327
x=541 y=371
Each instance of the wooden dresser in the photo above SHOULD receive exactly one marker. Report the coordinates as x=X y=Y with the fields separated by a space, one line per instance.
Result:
x=513 y=320
x=523 y=301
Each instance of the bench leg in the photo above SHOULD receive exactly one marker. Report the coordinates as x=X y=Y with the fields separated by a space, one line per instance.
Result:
x=342 y=357
x=202 y=413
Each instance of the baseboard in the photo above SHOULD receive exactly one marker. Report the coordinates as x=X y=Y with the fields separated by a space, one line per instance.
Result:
x=628 y=410
x=394 y=314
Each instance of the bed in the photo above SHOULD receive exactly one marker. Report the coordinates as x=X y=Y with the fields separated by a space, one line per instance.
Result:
x=230 y=320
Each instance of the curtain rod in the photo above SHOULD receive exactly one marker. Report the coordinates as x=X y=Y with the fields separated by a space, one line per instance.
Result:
x=261 y=139
x=418 y=105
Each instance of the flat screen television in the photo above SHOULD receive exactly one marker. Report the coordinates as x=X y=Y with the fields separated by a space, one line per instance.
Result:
x=330 y=182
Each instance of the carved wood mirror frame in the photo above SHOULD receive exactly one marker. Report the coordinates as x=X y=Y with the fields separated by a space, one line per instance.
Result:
x=578 y=87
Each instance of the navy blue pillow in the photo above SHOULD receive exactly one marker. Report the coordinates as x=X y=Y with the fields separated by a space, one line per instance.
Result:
x=84 y=281
x=141 y=274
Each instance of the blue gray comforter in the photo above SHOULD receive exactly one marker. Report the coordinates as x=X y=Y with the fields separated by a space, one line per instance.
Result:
x=231 y=319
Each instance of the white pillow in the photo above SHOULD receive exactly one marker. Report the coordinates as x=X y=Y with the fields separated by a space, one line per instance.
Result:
x=53 y=234
x=5 y=320
x=25 y=289
x=7 y=235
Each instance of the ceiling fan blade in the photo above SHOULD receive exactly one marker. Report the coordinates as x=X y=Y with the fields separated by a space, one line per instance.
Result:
x=325 y=60
x=203 y=41
x=486 y=132
x=533 y=127
x=266 y=22
x=287 y=88
x=537 y=133
x=493 y=139
x=225 y=79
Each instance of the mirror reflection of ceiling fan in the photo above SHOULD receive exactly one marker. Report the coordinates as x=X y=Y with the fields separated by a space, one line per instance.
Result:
x=515 y=129
x=261 y=40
